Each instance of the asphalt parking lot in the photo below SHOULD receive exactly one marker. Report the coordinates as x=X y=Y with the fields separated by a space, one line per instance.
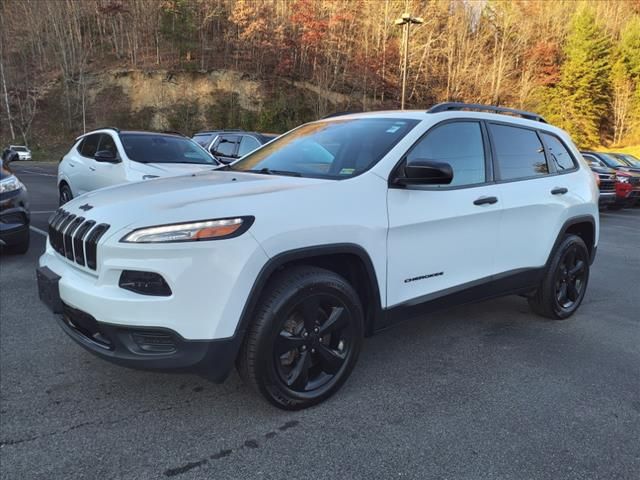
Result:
x=488 y=391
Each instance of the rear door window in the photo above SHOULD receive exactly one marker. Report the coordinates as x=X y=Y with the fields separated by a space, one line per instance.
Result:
x=519 y=152
x=226 y=146
x=559 y=154
x=247 y=144
x=89 y=145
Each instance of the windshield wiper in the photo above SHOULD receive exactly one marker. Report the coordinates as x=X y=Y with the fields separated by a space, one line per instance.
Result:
x=268 y=171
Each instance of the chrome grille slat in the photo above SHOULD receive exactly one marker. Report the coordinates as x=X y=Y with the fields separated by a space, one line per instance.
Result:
x=76 y=239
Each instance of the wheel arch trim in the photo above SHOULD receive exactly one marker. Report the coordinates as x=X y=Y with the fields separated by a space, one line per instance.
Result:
x=298 y=254
x=566 y=226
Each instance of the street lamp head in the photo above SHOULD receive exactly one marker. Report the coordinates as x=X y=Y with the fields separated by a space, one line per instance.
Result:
x=407 y=18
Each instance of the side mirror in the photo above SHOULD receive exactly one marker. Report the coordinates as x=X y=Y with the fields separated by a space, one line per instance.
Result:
x=425 y=172
x=106 y=156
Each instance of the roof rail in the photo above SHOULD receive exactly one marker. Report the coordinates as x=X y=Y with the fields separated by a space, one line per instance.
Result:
x=107 y=128
x=337 y=114
x=204 y=132
x=173 y=132
x=448 y=106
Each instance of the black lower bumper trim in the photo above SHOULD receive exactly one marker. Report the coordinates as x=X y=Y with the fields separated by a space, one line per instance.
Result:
x=150 y=348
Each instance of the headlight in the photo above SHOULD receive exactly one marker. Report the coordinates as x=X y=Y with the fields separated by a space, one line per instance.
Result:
x=192 y=231
x=622 y=179
x=10 y=184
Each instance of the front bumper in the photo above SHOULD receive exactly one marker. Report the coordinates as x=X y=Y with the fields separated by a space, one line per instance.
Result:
x=14 y=217
x=606 y=198
x=140 y=348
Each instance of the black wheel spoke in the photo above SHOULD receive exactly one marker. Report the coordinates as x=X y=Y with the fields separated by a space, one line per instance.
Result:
x=287 y=342
x=562 y=294
x=330 y=360
x=336 y=320
x=578 y=269
x=299 y=375
x=310 y=309
x=570 y=259
x=572 y=292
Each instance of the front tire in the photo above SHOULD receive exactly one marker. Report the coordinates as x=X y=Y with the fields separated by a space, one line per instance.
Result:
x=305 y=338
x=565 y=282
x=65 y=194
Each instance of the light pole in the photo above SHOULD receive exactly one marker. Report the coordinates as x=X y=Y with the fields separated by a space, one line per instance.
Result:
x=406 y=20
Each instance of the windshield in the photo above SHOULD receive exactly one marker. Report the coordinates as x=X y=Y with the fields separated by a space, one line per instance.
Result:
x=150 y=148
x=334 y=149
x=612 y=161
x=19 y=149
x=630 y=159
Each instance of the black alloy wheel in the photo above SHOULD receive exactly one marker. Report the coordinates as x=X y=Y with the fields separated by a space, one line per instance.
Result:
x=314 y=343
x=565 y=280
x=571 y=277
x=305 y=337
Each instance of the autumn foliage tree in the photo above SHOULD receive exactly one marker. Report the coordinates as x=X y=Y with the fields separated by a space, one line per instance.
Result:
x=575 y=62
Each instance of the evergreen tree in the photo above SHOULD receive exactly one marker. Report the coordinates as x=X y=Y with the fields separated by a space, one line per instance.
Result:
x=629 y=59
x=580 y=99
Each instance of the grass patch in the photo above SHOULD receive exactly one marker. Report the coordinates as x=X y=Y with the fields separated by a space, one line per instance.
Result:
x=633 y=150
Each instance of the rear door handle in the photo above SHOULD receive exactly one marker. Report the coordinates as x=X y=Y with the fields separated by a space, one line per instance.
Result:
x=93 y=169
x=559 y=191
x=485 y=201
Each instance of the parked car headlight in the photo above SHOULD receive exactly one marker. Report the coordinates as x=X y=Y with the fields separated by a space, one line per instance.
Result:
x=10 y=184
x=192 y=231
x=623 y=179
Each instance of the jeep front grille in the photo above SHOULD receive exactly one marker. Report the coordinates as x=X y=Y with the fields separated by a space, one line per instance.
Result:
x=75 y=238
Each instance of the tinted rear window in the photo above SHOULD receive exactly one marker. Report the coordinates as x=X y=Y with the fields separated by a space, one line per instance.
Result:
x=558 y=152
x=519 y=152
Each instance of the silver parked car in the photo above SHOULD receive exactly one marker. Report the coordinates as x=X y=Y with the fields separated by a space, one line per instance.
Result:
x=23 y=152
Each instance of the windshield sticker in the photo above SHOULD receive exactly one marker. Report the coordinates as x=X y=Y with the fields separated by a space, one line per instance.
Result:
x=393 y=129
x=347 y=171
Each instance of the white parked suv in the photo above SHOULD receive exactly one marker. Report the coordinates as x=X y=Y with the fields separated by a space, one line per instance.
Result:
x=108 y=156
x=282 y=262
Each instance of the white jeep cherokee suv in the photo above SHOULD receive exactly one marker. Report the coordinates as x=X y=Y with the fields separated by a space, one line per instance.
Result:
x=282 y=262
x=108 y=156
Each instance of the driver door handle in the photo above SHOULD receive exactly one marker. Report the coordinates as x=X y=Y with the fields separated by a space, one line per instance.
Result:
x=486 y=201
x=93 y=169
x=559 y=191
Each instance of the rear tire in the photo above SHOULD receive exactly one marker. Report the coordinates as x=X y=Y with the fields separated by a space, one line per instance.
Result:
x=305 y=338
x=65 y=194
x=565 y=282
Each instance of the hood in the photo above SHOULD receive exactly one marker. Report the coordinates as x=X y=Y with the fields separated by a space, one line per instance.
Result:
x=603 y=170
x=197 y=196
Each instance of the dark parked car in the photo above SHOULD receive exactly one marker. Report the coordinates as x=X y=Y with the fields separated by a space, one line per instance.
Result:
x=626 y=183
x=606 y=178
x=229 y=145
x=14 y=213
x=610 y=160
x=628 y=159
